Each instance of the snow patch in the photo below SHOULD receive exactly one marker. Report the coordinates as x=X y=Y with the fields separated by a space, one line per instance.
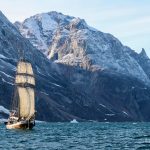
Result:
x=102 y=105
x=56 y=84
x=7 y=75
x=4 y=110
x=39 y=71
x=48 y=23
x=2 y=56
x=125 y=113
x=7 y=82
x=44 y=93
x=109 y=114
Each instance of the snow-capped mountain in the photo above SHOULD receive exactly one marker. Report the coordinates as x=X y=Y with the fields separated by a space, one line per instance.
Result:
x=40 y=29
x=69 y=40
x=48 y=79
x=67 y=92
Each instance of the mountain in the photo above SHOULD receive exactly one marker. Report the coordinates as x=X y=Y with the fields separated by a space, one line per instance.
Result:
x=50 y=85
x=69 y=40
x=40 y=29
x=95 y=62
x=72 y=79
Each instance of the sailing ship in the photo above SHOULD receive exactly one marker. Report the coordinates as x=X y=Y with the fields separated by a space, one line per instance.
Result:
x=22 y=114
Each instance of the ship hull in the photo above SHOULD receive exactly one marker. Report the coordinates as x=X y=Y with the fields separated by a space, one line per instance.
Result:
x=20 y=125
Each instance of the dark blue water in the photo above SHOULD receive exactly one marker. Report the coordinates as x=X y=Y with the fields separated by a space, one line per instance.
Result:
x=81 y=136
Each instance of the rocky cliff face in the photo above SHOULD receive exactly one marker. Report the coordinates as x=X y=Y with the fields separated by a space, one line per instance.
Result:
x=39 y=29
x=48 y=80
x=69 y=40
x=75 y=82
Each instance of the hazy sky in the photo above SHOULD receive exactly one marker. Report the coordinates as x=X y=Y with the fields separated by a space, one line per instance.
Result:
x=128 y=20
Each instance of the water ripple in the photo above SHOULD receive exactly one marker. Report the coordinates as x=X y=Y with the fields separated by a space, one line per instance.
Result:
x=81 y=136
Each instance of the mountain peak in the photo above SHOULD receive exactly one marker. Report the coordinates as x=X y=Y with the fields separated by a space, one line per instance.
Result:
x=1 y=13
x=143 y=53
x=53 y=15
x=2 y=16
x=78 y=23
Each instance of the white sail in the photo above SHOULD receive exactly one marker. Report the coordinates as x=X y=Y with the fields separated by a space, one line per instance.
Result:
x=24 y=67
x=26 y=93
x=22 y=115
x=26 y=102
x=25 y=79
x=32 y=102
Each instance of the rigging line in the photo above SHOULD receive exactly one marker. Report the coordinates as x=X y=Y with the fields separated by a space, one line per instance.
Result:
x=12 y=105
x=21 y=54
x=13 y=96
x=18 y=97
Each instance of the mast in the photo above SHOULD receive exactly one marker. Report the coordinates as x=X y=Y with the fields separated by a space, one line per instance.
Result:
x=15 y=98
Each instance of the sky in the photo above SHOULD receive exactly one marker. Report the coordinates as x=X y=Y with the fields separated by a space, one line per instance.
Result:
x=128 y=20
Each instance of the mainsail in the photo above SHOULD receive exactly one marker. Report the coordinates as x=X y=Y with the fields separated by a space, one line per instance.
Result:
x=25 y=83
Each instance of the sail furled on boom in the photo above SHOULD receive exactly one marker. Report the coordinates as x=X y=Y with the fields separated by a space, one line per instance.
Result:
x=25 y=82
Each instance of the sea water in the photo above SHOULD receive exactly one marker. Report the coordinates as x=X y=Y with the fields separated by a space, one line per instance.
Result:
x=79 y=136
